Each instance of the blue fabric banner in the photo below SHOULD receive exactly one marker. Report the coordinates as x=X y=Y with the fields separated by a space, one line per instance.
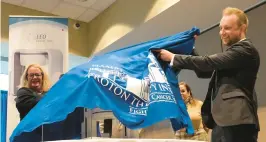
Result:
x=140 y=89
x=3 y=96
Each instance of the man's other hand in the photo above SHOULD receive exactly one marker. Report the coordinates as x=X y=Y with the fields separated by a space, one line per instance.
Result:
x=165 y=55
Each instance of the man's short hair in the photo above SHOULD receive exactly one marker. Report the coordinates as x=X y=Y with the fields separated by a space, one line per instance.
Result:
x=242 y=17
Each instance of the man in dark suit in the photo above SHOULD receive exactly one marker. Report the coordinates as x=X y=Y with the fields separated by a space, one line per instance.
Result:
x=230 y=106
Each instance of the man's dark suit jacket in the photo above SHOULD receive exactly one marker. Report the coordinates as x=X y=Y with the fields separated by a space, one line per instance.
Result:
x=231 y=99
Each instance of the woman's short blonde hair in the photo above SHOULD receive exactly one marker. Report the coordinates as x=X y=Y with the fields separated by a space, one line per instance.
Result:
x=46 y=83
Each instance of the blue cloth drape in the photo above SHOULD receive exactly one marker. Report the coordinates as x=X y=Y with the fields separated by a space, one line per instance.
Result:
x=139 y=89
x=3 y=95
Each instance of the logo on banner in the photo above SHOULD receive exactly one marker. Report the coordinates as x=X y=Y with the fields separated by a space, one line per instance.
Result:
x=138 y=93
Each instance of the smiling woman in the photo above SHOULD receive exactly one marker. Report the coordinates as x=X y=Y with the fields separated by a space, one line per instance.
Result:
x=33 y=85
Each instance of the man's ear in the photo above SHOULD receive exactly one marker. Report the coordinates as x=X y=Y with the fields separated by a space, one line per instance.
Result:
x=244 y=28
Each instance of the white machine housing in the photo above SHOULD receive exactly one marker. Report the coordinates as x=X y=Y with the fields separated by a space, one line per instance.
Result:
x=50 y=59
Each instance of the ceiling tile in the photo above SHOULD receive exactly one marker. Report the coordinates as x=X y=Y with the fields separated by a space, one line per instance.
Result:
x=88 y=15
x=41 y=5
x=83 y=10
x=84 y=3
x=68 y=10
x=101 y=5
x=15 y=2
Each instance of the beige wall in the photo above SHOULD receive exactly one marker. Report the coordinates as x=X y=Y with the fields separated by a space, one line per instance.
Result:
x=78 y=39
x=121 y=18
x=262 y=119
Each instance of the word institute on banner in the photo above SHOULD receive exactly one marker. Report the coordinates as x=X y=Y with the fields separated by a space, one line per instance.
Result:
x=139 y=89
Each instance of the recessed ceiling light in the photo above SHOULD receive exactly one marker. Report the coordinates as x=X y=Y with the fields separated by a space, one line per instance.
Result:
x=82 y=0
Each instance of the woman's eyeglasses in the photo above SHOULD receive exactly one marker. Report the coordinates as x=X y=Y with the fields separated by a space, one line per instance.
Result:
x=31 y=75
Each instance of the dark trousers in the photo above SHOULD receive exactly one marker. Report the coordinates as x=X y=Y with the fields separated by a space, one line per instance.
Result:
x=237 y=133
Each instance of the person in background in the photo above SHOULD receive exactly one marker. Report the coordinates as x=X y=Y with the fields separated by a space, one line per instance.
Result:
x=34 y=83
x=194 y=111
